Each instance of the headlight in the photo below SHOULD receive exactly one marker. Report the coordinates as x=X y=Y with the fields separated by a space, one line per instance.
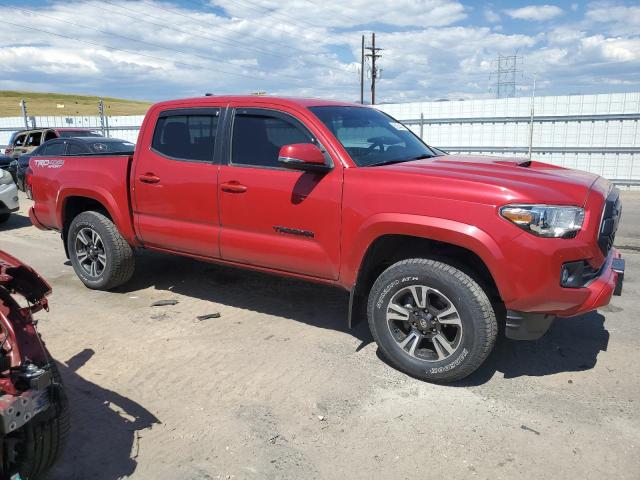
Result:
x=5 y=178
x=545 y=220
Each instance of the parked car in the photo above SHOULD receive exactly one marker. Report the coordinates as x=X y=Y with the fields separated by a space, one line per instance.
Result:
x=435 y=247
x=34 y=415
x=69 y=146
x=8 y=196
x=7 y=164
x=25 y=141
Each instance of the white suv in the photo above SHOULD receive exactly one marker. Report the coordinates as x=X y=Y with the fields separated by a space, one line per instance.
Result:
x=8 y=196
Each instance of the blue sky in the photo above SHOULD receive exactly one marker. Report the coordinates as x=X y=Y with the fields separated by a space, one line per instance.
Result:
x=148 y=49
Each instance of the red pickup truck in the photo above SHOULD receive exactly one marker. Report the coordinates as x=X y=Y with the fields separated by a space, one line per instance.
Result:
x=437 y=248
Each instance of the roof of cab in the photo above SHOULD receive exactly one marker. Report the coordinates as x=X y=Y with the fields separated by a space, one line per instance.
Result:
x=256 y=100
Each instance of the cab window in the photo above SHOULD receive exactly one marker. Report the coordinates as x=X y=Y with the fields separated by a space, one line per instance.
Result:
x=56 y=148
x=259 y=134
x=187 y=134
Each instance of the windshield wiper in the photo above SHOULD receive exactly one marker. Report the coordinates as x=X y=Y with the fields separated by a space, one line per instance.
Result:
x=401 y=160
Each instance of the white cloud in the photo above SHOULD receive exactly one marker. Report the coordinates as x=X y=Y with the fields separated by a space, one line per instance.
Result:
x=620 y=19
x=491 y=16
x=304 y=47
x=538 y=13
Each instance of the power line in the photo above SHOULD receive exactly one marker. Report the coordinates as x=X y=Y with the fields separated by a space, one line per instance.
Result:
x=137 y=40
x=223 y=27
x=191 y=65
x=143 y=16
x=258 y=9
x=342 y=14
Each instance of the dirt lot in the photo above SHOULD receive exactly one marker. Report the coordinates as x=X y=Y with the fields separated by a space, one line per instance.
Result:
x=277 y=387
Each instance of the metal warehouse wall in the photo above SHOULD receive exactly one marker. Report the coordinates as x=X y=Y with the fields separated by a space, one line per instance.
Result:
x=597 y=133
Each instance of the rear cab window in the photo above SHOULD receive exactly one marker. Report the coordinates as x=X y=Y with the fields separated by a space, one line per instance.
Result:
x=54 y=149
x=187 y=134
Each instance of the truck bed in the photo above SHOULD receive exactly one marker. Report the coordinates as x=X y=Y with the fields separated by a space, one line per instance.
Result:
x=104 y=178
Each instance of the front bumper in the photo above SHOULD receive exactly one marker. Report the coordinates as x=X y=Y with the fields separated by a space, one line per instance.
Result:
x=532 y=325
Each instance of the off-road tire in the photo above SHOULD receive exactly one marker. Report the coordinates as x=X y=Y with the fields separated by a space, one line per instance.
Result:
x=45 y=437
x=478 y=320
x=120 y=263
x=4 y=217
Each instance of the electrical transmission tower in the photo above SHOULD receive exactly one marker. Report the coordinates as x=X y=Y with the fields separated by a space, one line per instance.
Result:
x=375 y=70
x=507 y=69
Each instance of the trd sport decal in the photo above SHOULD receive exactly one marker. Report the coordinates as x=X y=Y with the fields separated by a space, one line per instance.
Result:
x=294 y=231
x=49 y=163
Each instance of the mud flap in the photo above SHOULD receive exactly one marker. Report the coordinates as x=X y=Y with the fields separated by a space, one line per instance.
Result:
x=527 y=326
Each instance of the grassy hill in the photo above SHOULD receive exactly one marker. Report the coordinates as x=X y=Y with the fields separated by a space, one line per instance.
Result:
x=63 y=104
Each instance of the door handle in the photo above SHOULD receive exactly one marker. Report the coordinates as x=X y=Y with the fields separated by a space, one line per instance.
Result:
x=149 y=178
x=233 y=187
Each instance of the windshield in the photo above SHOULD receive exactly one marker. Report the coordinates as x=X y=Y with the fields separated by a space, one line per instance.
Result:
x=372 y=137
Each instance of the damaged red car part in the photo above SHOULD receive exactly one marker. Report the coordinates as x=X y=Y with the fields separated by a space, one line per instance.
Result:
x=33 y=407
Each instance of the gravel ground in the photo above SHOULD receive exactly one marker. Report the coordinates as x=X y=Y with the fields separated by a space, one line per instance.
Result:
x=278 y=388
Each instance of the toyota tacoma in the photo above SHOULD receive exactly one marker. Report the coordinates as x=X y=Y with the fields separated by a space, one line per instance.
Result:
x=438 y=249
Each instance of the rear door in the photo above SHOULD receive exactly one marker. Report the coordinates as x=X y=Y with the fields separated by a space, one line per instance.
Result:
x=175 y=182
x=272 y=216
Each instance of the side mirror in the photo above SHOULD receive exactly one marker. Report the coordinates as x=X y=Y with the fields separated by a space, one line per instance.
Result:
x=303 y=156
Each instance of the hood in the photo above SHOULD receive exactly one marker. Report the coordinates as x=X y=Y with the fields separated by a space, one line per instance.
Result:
x=19 y=278
x=512 y=179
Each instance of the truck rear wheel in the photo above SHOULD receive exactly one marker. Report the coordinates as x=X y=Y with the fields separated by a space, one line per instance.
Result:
x=431 y=320
x=101 y=258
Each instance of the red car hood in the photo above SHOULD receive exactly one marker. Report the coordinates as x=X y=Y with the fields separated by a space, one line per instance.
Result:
x=513 y=178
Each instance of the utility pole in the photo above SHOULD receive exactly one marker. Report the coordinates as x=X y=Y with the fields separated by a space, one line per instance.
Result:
x=533 y=103
x=25 y=115
x=362 y=73
x=374 y=55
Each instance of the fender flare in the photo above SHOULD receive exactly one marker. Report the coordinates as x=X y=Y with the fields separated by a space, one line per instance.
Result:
x=443 y=230
x=106 y=199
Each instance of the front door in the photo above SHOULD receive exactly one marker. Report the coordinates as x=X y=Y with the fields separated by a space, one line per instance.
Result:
x=175 y=182
x=272 y=216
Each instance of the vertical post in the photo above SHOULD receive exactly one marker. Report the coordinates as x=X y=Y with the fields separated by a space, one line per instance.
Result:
x=25 y=116
x=373 y=68
x=362 y=73
x=533 y=101
x=101 y=113
x=421 y=125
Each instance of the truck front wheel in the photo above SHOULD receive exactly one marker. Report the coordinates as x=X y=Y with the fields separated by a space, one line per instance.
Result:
x=431 y=320
x=100 y=256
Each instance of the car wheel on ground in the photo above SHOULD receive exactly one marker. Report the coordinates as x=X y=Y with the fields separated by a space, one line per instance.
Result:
x=431 y=320
x=44 y=438
x=100 y=256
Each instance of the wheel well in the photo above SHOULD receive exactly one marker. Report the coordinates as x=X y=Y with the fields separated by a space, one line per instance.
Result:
x=73 y=207
x=389 y=249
